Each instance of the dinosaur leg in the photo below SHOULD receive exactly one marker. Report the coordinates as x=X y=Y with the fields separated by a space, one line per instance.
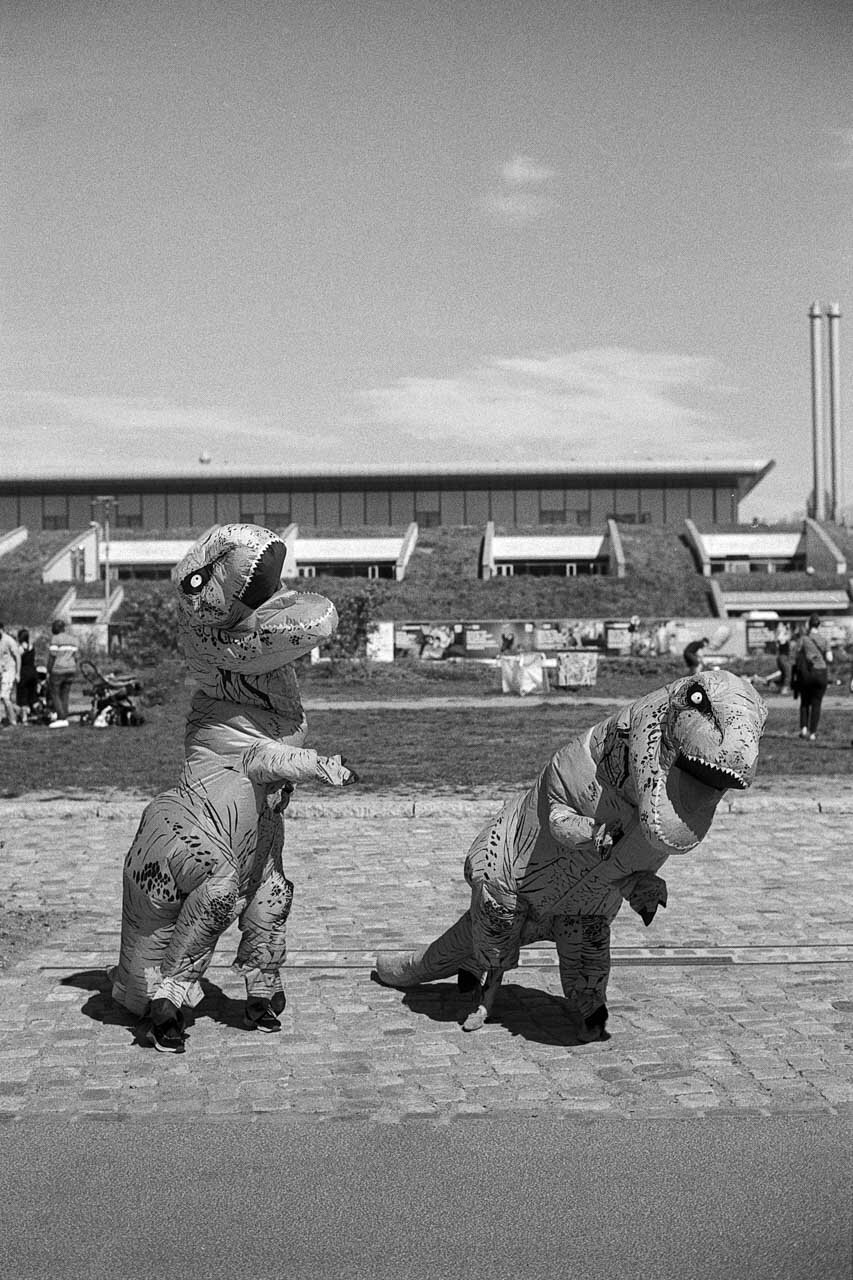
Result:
x=583 y=950
x=498 y=919
x=205 y=914
x=263 y=950
x=151 y=904
x=147 y=924
x=449 y=954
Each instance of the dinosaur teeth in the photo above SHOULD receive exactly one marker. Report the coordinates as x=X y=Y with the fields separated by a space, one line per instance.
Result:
x=716 y=775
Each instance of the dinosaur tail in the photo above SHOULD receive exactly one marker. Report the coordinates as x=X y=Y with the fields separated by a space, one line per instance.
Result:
x=443 y=958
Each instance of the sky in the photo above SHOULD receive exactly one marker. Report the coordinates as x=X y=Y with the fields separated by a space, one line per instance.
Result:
x=297 y=233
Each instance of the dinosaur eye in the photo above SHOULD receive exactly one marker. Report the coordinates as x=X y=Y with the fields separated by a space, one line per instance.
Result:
x=698 y=698
x=193 y=582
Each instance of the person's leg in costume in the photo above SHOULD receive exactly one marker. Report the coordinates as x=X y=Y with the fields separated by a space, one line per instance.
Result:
x=263 y=949
x=583 y=951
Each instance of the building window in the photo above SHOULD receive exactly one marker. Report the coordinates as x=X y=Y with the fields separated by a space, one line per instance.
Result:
x=307 y=571
x=582 y=517
x=552 y=568
x=276 y=519
x=55 y=512
x=552 y=515
x=428 y=519
x=736 y=566
x=128 y=520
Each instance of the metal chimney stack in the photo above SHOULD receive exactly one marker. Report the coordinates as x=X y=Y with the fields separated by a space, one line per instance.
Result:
x=833 y=315
x=816 y=319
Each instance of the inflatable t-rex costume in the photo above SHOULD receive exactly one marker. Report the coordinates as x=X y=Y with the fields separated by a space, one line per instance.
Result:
x=603 y=816
x=210 y=849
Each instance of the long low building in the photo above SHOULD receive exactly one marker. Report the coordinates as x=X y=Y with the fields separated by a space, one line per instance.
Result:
x=372 y=497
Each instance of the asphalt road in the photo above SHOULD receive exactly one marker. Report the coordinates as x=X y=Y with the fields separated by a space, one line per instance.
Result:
x=747 y=1198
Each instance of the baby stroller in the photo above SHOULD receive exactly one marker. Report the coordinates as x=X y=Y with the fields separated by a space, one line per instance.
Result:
x=112 y=698
x=40 y=711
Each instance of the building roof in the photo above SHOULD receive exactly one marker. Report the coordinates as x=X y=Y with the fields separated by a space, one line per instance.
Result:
x=581 y=547
x=346 y=550
x=139 y=551
x=804 y=602
x=206 y=476
x=723 y=545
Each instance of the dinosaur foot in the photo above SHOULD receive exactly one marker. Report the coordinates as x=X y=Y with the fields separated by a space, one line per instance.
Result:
x=166 y=1033
x=260 y=1015
x=592 y=1028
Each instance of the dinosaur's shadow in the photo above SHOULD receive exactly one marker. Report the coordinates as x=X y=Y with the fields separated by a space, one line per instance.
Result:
x=522 y=1011
x=101 y=1007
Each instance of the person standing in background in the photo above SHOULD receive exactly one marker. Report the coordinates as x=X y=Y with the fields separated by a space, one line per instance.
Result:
x=694 y=654
x=783 y=655
x=61 y=670
x=28 y=677
x=10 y=672
x=812 y=674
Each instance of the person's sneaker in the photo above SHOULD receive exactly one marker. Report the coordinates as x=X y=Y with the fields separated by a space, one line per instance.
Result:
x=804 y=733
x=259 y=1016
x=166 y=1031
x=58 y=724
x=812 y=737
x=168 y=1039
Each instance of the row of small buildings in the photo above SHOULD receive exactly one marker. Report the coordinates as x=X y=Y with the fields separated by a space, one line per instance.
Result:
x=541 y=522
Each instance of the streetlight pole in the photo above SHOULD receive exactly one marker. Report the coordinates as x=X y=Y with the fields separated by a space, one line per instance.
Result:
x=105 y=504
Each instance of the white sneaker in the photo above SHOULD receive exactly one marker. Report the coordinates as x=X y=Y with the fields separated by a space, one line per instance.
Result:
x=58 y=724
x=804 y=733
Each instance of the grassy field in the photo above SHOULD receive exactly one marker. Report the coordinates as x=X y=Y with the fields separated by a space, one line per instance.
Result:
x=418 y=750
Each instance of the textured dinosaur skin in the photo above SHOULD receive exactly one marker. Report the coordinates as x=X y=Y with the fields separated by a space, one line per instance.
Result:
x=603 y=816
x=209 y=850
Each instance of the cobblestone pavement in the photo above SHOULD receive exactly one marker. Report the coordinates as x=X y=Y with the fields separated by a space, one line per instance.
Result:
x=737 y=1001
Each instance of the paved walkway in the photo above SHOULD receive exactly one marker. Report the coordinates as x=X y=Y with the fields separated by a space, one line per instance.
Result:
x=737 y=1001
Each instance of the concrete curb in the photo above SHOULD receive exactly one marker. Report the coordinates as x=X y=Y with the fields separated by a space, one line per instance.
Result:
x=34 y=807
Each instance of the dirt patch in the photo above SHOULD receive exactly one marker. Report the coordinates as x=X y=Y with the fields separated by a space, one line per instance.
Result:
x=22 y=931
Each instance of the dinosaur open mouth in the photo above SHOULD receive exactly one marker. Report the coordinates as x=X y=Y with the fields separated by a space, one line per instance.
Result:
x=265 y=577
x=710 y=774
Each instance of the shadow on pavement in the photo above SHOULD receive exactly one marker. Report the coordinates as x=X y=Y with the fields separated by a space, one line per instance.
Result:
x=101 y=1007
x=522 y=1011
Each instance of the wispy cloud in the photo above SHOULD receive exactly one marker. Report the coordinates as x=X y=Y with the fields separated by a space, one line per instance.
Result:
x=524 y=171
x=843 y=159
x=83 y=432
x=519 y=196
x=584 y=406
x=581 y=405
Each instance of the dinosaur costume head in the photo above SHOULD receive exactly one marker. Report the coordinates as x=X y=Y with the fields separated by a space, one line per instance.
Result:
x=688 y=743
x=234 y=613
